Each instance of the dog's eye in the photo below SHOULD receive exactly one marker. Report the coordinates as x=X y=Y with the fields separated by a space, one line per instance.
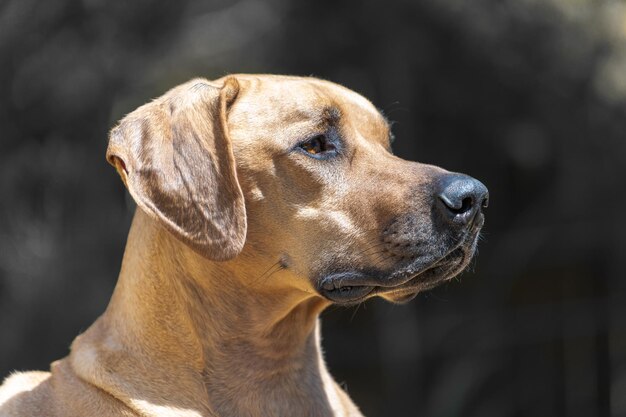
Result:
x=318 y=146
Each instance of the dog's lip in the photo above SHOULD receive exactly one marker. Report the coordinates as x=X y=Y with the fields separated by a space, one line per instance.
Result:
x=377 y=279
x=355 y=286
x=347 y=287
x=339 y=280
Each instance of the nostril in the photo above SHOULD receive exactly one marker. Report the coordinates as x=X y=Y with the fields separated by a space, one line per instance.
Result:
x=461 y=206
x=466 y=205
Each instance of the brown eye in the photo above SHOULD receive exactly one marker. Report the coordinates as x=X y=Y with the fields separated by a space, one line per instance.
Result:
x=319 y=145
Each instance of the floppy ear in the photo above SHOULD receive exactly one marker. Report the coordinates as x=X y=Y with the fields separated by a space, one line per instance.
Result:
x=175 y=157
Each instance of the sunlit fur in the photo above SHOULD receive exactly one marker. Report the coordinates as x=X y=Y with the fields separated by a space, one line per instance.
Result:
x=215 y=312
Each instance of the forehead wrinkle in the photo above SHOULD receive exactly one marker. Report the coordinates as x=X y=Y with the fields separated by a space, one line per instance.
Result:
x=327 y=115
x=331 y=114
x=359 y=111
x=372 y=128
x=305 y=101
x=312 y=105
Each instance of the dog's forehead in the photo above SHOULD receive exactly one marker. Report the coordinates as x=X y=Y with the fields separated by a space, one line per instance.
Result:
x=282 y=101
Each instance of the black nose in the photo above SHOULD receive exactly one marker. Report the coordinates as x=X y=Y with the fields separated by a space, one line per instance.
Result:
x=460 y=197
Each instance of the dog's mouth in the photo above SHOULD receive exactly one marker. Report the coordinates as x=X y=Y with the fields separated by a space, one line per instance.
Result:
x=402 y=284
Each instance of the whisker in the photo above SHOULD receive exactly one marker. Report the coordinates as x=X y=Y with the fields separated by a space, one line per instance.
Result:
x=280 y=268
x=377 y=246
x=257 y=280
x=355 y=311
x=378 y=253
x=383 y=260
x=364 y=251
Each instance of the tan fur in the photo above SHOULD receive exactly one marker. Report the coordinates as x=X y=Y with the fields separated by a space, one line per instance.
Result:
x=199 y=323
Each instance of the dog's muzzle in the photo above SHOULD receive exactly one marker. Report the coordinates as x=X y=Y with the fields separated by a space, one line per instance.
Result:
x=420 y=261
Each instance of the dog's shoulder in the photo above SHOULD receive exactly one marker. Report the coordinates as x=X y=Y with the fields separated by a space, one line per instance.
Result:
x=25 y=394
x=59 y=393
x=20 y=382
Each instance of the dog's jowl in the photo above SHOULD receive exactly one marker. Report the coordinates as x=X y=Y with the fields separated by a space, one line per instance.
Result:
x=261 y=201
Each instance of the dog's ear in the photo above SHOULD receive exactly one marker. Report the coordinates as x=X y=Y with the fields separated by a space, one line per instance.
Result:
x=176 y=159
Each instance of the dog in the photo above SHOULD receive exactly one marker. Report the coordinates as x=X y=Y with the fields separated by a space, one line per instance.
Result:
x=262 y=200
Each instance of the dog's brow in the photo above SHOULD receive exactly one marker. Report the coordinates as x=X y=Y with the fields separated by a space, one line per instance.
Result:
x=391 y=137
x=389 y=125
x=331 y=114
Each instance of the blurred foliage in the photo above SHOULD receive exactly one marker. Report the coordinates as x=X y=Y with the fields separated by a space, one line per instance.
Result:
x=528 y=96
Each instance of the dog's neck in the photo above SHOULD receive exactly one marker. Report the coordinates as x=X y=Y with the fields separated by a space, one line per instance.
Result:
x=207 y=330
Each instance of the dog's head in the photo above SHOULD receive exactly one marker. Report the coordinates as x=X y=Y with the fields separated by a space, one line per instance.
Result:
x=300 y=171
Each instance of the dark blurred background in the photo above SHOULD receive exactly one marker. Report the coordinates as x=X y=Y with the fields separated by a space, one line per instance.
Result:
x=528 y=96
